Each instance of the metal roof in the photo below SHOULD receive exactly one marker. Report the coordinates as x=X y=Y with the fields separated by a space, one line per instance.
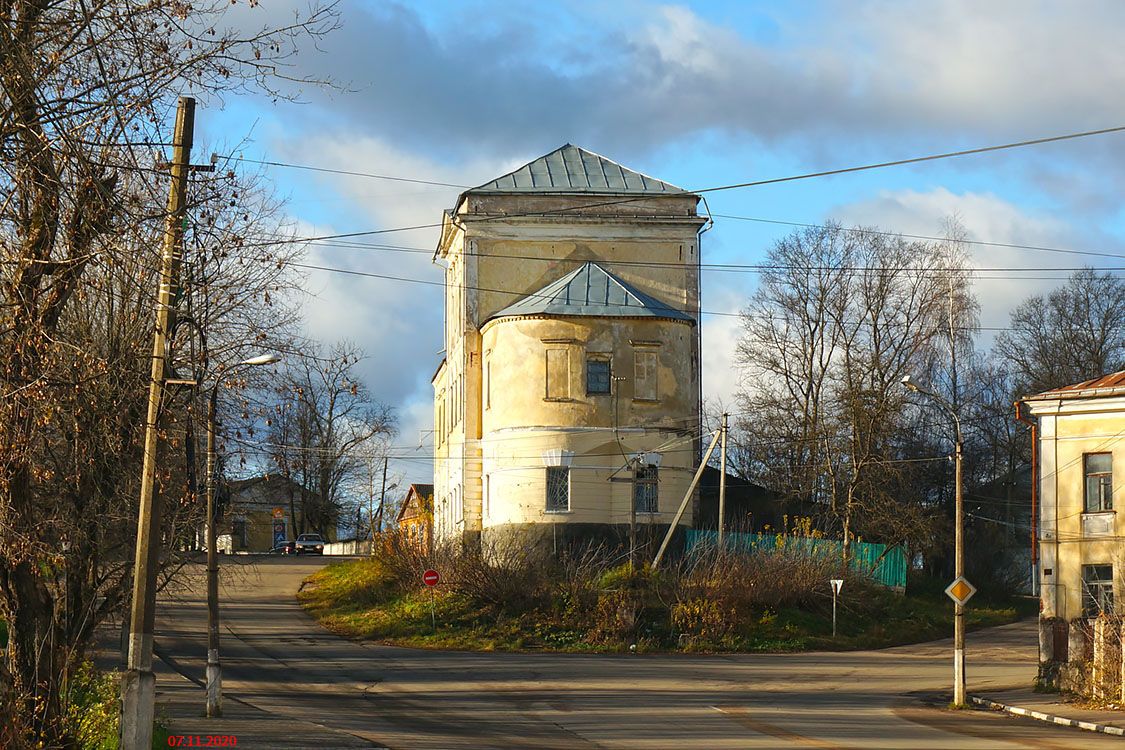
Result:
x=592 y=291
x=570 y=169
x=1106 y=385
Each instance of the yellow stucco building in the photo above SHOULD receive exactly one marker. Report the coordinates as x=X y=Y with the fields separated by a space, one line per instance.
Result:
x=569 y=397
x=1080 y=459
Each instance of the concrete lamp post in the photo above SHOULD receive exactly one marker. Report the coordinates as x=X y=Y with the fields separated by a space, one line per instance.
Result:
x=214 y=670
x=959 y=543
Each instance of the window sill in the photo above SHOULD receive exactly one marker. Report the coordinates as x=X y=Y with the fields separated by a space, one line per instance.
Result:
x=558 y=512
x=1098 y=524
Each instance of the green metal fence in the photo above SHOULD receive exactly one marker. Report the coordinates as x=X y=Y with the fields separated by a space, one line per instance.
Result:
x=886 y=566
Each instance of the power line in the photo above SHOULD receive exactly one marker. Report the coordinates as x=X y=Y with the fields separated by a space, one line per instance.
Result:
x=756 y=183
x=344 y=172
x=716 y=313
x=917 y=159
x=931 y=238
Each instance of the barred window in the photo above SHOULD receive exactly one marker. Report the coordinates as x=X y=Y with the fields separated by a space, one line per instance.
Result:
x=1099 y=481
x=597 y=375
x=558 y=489
x=645 y=489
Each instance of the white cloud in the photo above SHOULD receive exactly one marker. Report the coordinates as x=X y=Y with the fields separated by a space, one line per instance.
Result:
x=988 y=218
x=720 y=339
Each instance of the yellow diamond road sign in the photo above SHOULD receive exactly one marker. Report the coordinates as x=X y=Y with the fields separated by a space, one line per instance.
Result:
x=961 y=590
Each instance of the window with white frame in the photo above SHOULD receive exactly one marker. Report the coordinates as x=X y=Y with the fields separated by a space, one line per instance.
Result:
x=558 y=489
x=1099 y=481
x=1097 y=590
x=646 y=489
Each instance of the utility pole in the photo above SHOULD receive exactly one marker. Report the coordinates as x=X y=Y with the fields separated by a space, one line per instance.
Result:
x=214 y=669
x=214 y=666
x=723 y=480
x=684 y=503
x=383 y=494
x=959 y=571
x=138 y=686
x=958 y=542
x=633 y=516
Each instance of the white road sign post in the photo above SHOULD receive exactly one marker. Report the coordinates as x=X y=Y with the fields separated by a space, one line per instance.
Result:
x=837 y=584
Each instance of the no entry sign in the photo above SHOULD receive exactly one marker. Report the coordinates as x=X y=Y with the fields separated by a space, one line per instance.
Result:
x=431 y=577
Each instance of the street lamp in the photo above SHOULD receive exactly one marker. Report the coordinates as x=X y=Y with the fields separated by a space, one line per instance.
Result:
x=959 y=545
x=214 y=670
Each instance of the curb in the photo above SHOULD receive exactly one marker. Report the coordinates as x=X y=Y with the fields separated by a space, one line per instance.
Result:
x=1017 y=711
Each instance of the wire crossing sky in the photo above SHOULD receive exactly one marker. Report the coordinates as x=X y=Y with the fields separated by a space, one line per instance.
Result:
x=891 y=118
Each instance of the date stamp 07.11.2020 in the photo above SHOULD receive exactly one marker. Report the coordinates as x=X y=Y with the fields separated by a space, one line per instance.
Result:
x=202 y=740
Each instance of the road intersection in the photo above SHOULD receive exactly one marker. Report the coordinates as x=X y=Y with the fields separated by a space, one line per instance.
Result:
x=279 y=661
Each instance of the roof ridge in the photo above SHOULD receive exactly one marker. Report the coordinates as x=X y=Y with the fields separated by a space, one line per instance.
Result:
x=1111 y=383
x=623 y=180
x=573 y=294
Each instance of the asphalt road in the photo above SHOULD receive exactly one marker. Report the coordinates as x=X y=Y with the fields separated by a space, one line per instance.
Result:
x=278 y=659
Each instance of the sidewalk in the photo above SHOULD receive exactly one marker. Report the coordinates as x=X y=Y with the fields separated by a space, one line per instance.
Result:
x=1054 y=708
x=180 y=705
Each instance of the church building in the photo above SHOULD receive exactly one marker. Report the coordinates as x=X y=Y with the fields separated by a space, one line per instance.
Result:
x=568 y=401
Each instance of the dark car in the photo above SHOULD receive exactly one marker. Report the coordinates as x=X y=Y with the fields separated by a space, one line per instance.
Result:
x=285 y=548
x=310 y=543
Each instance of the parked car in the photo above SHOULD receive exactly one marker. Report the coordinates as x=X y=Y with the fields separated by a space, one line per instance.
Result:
x=285 y=548
x=310 y=543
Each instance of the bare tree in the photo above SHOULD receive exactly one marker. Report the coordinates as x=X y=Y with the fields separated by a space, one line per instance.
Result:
x=1074 y=333
x=85 y=89
x=839 y=319
x=326 y=424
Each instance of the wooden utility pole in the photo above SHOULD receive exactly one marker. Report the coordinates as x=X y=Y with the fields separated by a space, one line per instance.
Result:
x=723 y=480
x=383 y=495
x=138 y=686
x=684 y=503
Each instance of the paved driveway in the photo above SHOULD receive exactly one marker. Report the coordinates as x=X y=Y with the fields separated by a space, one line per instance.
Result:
x=277 y=659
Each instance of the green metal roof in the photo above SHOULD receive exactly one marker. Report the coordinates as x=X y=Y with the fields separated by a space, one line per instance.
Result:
x=570 y=169
x=590 y=290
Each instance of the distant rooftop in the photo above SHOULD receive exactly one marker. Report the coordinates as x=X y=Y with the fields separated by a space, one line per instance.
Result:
x=570 y=169
x=1104 y=386
x=591 y=290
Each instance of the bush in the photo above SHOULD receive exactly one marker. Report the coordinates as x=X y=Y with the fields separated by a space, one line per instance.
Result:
x=93 y=709
x=513 y=593
x=702 y=622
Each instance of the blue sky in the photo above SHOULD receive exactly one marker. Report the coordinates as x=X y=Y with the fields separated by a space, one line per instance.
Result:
x=697 y=94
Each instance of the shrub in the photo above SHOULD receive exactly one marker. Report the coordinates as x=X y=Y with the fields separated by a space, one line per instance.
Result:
x=93 y=710
x=702 y=621
x=616 y=617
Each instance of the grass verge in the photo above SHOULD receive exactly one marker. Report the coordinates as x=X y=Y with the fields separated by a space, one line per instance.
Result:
x=616 y=611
